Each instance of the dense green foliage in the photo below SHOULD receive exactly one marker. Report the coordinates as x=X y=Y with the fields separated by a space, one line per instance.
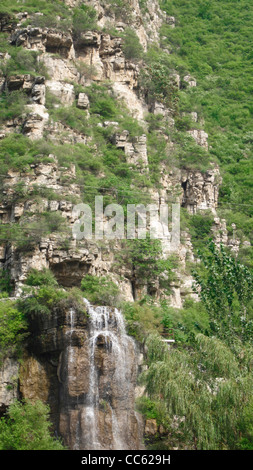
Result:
x=212 y=41
x=100 y=290
x=205 y=388
x=13 y=329
x=84 y=18
x=131 y=45
x=142 y=319
x=44 y=277
x=201 y=390
x=27 y=427
x=144 y=258
x=225 y=289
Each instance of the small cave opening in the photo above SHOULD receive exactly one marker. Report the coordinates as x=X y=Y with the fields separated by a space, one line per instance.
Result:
x=56 y=47
x=69 y=273
x=184 y=185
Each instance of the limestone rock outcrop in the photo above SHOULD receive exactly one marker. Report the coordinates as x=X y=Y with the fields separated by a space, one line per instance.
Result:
x=135 y=150
x=9 y=370
x=200 y=190
x=43 y=40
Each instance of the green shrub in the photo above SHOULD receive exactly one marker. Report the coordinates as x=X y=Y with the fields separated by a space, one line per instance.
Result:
x=27 y=427
x=151 y=409
x=12 y=105
x=18 y=152
x=131 y=47
x=84 y=19
x=101 y=101
x=13 y=328
x=72 y=117
x=100 y=290
x=118 y=8
x=199 y=226
x=142 y=319
x=144 y=258
x=5 y=283
x=184 y=323
x=41 y=301
x=157 y=80
x=21 y=61
x=42 y=277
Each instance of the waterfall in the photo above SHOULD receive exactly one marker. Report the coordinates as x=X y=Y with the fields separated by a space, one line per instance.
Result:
x=70 y=347
x=98 y=380
x=107 y=409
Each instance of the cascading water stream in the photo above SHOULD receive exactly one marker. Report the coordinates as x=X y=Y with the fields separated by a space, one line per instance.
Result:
x=107 y=329
x=70 y=347
x=98 y=372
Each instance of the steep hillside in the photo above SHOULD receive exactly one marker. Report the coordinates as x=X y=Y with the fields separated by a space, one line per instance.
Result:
x=118 y=341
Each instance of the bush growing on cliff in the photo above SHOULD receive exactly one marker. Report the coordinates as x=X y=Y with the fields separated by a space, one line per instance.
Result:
x=41 y=301
x=84 y=19
x=132 y=48
x=27 y=427
x=43 y=277
x=13 y=328
x=157 y=79
x=142 y=319
x=144 y=258
x=5 y=283
x=12 y=105
x=100 y=290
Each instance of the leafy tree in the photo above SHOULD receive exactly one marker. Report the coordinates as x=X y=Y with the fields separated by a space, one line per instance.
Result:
x=131 y=46
x=27 y=427
x=158 y=83
x=225 y=288
x=204 y=390
x=13 y=328
x=144 y=258
x=41 y=301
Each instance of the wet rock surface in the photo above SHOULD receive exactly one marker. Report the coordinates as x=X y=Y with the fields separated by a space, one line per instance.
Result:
x=85 y=366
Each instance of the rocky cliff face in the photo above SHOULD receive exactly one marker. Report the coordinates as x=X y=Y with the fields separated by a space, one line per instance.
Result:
x=86 y=368
x=83 y=364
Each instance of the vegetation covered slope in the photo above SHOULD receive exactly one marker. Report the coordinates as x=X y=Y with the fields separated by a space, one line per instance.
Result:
x=212 y=41
x=200 y=392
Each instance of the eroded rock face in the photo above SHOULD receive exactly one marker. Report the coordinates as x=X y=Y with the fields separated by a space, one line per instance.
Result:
x=64 y=92
x=200 y=137
x=86 y=369
x=200 y=190
x=146 y=22
x=9 y=371
x=136 y=150
x=43 y=40
x=33 y=86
